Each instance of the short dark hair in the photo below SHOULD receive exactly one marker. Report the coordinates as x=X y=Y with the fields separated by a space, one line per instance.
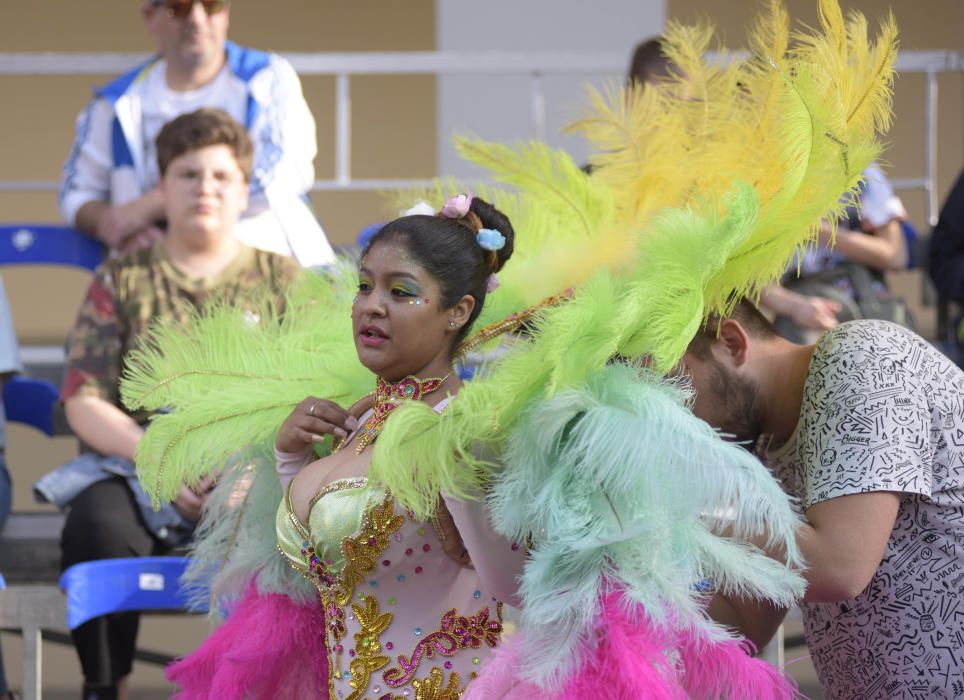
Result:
x=204 y=127
x=648 y=62
x=746 y=314
x=447 y=249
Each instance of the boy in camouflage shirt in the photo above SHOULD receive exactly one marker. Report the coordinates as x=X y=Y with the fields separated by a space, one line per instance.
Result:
x=205 y=164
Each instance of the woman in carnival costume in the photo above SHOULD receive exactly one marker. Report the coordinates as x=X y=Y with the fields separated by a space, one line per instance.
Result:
x=402 y=612
x=624 y=502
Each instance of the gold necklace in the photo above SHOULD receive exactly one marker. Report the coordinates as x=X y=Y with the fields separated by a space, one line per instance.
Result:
x=390 y=396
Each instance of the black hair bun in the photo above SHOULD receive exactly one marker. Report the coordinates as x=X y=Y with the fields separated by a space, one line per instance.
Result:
x=493 y=218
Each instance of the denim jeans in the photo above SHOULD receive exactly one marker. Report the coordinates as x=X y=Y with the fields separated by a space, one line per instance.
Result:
x=70 y=479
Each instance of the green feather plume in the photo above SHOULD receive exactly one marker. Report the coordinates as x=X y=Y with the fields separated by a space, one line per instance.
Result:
x=228 y=379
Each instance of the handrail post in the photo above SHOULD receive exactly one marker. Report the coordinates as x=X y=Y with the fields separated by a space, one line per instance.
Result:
x=930 y=145
x=342 y=129
x=538 y=97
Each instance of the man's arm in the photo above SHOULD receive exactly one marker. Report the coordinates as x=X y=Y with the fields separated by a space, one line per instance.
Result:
x=117 y=226
x=85 y=190
x=103 y=426
x=885 y=249
x=843 y=543
x=285 y=143
x=757 y=620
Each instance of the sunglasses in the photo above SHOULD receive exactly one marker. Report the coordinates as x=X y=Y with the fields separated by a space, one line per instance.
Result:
x=179 y=9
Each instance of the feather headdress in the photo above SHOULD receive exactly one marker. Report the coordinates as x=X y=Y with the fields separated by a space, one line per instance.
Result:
x=753 y=153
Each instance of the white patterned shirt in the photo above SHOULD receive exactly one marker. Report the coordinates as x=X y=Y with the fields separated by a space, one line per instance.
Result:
x=884 y=411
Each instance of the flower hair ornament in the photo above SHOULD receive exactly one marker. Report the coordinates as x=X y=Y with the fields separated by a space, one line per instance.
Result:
x=456 y=206
x=421 y=207
x=490 y=239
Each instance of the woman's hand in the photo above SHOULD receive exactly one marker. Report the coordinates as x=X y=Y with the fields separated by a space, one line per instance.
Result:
x=311 y=420
x=190 y=502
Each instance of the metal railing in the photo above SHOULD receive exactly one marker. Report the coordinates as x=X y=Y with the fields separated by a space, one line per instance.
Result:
x=534 y=65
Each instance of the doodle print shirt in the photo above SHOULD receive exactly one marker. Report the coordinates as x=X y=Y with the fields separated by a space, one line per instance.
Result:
x=884 y=411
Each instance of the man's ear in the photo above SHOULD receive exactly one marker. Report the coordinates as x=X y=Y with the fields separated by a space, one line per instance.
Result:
x=735 y=342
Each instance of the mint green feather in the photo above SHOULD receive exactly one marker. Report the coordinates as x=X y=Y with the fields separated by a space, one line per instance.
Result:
x=622 y=485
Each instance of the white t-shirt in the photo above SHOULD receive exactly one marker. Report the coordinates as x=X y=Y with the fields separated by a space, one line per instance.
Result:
x=884 y=411
x=160 y=105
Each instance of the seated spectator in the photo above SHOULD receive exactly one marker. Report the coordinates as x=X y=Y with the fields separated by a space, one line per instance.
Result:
x=110 y=180
x=9 y=365
x=947 y=255
x=204 y=160
x=845 y=281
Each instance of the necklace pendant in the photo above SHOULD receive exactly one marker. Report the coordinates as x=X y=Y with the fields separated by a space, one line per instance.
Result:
x=388 y=397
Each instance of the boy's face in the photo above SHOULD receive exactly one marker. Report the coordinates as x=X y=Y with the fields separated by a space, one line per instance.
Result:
x=205 y=193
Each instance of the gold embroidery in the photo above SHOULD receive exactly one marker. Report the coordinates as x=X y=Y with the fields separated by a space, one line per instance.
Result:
x=300 y=571
x=456 y=632
x=362 y=551
x=439 y=530
x=432 y=688
x=334 y=487
x=368 y=647
x=292 y=518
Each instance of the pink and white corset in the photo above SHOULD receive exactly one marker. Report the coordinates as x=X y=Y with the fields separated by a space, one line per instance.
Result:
x=403 y=618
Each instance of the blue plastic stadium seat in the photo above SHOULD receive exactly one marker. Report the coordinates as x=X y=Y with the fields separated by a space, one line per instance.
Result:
x=366 y=233
x=96 y=588
x=31 y=401
x=41 y=244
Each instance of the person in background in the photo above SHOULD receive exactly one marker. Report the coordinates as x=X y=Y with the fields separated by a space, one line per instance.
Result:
x=946 y=264
x=648 y=65
x=205 y=163
x=9 y=366
x=109 y=187
x=843 y=279
x=864 y=429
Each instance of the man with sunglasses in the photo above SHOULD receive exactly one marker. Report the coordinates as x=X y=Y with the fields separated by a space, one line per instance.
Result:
x=109 y=185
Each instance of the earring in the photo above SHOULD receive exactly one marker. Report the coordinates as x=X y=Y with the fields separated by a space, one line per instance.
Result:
x=452 y=324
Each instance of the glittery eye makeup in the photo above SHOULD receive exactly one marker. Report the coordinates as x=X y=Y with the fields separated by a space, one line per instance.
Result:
x=406 y=287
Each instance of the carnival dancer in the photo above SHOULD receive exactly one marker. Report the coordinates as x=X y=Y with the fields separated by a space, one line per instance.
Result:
x=412 y=606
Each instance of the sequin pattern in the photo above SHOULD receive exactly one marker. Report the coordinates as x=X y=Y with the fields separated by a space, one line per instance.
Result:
x=456 y=632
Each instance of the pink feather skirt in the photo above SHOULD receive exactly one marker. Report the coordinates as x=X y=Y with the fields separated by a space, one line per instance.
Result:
x=629 y=658
x=269 y=648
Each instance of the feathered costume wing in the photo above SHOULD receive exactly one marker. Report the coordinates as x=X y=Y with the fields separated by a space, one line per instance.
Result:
x=702 y=191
